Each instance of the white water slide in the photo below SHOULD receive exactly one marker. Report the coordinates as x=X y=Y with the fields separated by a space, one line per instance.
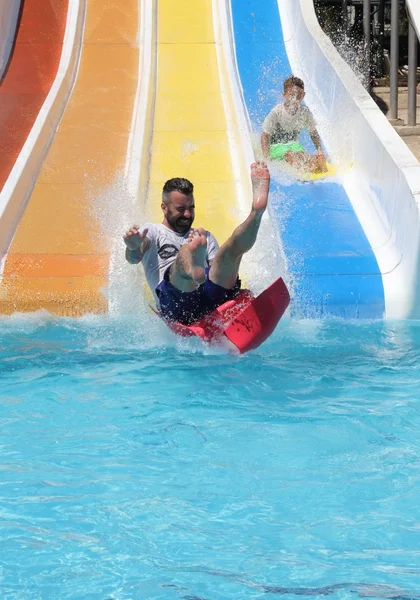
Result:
x=414 y=10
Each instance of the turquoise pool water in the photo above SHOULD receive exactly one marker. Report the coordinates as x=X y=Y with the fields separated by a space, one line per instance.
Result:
x=135 y=468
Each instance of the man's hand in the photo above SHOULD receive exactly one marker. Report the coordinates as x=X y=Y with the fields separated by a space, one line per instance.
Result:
x=137 y=243
x=133 y=238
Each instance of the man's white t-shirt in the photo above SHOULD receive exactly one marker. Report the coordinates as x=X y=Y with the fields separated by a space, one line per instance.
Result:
x=164 y=247
x=284 y=127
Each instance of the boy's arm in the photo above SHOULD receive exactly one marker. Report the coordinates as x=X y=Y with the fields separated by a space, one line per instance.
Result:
x=313 y=132
x=265 y=145
x=316 y=138
x=268 y=127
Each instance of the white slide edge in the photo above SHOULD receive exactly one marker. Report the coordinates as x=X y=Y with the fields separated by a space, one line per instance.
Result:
x=414 y=12
x=138 y=151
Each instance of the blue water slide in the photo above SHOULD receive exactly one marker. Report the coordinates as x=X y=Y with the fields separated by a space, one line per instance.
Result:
x=332 y=267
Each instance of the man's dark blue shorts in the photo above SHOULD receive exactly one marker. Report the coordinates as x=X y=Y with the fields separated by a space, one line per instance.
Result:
x=189 y=307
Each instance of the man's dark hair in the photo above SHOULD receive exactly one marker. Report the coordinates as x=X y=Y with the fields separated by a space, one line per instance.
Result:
x=293 y=81
x=177 y=184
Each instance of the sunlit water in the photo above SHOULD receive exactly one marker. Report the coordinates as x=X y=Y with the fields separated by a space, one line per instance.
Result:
x=135 y=465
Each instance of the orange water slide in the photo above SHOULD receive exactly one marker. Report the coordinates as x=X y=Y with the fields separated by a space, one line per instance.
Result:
x=57 y=261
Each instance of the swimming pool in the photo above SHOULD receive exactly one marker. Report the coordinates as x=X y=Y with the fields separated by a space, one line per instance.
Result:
x=136 y=469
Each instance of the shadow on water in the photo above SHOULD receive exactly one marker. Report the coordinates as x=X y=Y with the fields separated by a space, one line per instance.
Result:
x=363 y=590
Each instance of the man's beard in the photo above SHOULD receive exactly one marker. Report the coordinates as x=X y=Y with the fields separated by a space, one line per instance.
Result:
x=181 y=225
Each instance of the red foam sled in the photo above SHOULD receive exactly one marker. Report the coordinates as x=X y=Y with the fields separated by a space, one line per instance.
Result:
x=246 y=321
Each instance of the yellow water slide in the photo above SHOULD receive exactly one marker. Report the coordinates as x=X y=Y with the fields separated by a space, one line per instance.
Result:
x=59 y=256
x=190 y=132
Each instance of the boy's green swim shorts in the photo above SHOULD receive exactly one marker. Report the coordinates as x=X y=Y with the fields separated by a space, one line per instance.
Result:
x=277 y=151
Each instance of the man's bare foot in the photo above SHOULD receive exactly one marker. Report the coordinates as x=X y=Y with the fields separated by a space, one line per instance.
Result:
x=260 y=178
x=198 y=248
x=191 y=261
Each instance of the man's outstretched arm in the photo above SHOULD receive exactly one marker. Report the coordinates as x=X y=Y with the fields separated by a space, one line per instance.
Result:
x=137 y=245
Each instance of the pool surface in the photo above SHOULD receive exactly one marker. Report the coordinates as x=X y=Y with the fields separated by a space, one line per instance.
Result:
x=135 y=469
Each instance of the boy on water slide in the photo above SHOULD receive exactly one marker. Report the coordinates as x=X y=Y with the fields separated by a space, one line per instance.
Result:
x=282 y=128
x=186 y=270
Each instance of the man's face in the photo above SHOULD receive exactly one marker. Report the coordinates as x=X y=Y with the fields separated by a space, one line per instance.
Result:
x=179 y=212
x=293 y=95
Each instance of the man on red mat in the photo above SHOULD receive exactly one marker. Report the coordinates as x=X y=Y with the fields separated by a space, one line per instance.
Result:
x=186 y=270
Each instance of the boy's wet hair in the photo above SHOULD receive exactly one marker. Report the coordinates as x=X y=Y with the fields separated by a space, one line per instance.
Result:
x=177 y=184
x=293 y=81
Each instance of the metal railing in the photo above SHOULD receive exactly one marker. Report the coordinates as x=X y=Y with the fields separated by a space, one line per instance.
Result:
x=394 y=56
x=412 y=74
x=372 y=13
